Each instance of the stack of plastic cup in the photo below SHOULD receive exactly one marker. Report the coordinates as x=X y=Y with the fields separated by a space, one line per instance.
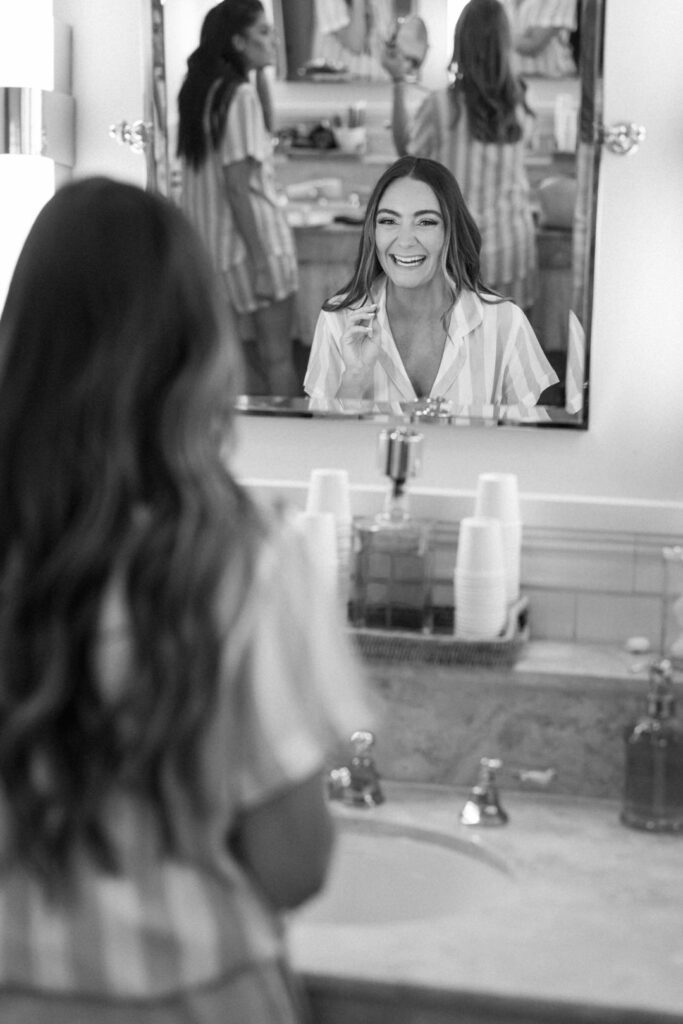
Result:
x=479 y=582
x=498 y=497
x=320 y=533
x=328 y=492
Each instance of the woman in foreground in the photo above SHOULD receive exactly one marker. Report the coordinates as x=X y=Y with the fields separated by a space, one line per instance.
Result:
x=172 y=673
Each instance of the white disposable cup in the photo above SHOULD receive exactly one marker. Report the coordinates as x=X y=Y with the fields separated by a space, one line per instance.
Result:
x=498 y=496
x=320 y=532
x=328 y=491
x=480 y=547
x=512 y=557
x=481 y=610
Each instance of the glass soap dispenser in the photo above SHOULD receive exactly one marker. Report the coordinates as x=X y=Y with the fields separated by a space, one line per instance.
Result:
x=391 y=580
x=653 y=786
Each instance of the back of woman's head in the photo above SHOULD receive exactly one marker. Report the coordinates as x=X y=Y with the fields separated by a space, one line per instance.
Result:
x=460 y=256
x=216 y=59
x=109 y=334
x=224 y=21
x=115 y=378
x=482 y=53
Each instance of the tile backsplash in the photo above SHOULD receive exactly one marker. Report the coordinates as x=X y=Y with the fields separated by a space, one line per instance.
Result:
x=582 y=586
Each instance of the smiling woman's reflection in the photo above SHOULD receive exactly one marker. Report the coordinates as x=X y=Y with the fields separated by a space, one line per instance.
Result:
x=416 y=320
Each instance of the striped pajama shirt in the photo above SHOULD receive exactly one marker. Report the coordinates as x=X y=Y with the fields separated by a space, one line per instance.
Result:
x=491 y=357
x=176 y=940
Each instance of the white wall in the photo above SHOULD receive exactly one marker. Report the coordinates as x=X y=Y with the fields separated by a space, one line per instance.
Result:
x=634 y=445
x=109 y=37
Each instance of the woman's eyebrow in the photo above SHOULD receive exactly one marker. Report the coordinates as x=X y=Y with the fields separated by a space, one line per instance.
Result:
x=416 y=213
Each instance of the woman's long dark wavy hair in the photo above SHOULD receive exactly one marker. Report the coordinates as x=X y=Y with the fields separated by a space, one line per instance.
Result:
x=484 y=80
x=214 y=60
x=114 y=369
x=460 y=255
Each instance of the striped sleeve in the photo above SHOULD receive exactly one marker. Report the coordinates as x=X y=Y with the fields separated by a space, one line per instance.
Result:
x=245 y=134
x=550 y=14
x=303 y=692
x=525 y=369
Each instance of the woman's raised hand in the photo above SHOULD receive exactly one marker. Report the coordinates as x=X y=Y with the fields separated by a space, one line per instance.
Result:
x=393 y=61
x=360 y=348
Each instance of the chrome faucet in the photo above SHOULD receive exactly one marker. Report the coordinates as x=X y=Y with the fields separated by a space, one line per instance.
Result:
x=483 y=806
x=357 y=782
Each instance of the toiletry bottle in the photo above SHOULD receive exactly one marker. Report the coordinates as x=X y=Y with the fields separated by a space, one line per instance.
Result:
x=391 y=584
x=653 y=789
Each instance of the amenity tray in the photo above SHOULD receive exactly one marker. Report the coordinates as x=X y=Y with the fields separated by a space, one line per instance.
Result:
x=443 y=648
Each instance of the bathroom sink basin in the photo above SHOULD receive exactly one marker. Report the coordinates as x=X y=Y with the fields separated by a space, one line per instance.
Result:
x=385 y=872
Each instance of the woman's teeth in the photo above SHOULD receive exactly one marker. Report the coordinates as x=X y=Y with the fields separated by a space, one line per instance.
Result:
x=408 y=261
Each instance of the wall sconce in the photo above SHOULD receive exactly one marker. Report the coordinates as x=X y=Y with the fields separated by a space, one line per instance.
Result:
x=37 y=120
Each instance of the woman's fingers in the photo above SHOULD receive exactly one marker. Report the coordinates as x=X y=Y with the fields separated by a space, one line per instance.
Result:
x=360 y=325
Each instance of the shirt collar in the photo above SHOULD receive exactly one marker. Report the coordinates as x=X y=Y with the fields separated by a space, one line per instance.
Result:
x=466 y=316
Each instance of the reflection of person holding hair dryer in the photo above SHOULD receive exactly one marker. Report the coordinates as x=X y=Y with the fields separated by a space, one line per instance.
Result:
x=479 y=128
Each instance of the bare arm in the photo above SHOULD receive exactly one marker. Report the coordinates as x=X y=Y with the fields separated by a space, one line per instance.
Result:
x=265 y=95
x=285 y=844
x=400 y=126
x=236 y=179
x=535 y=39
x=352 y=36
x=394 y=63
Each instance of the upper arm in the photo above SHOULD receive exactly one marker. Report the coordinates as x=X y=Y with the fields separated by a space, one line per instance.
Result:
x=535 y=39
x=236 y=177
x=296 y=696
x=245 y=137
x=527 y=371
x=424 y=131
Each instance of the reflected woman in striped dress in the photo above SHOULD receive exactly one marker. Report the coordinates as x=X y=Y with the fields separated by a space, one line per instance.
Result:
x=479 y=127
x=228 y=187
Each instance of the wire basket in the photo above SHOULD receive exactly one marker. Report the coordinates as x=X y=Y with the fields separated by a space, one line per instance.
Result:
x=442 y=648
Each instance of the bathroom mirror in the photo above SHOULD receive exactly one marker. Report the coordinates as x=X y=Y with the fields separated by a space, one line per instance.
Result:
x=563 y=171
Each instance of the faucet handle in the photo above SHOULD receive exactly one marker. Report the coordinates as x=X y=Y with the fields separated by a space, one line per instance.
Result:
x=362 y=741
x=357 y=782
x=483 y=805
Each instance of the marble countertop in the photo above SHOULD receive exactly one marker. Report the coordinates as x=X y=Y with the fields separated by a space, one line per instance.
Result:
x=592 y=924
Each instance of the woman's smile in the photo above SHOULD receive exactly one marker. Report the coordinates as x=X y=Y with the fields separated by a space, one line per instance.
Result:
x=407 y=261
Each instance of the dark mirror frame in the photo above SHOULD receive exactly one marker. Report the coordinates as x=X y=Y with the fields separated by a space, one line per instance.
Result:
x=588 y=155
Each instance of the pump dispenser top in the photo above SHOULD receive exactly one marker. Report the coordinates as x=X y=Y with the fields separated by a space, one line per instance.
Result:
x=653 y=784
